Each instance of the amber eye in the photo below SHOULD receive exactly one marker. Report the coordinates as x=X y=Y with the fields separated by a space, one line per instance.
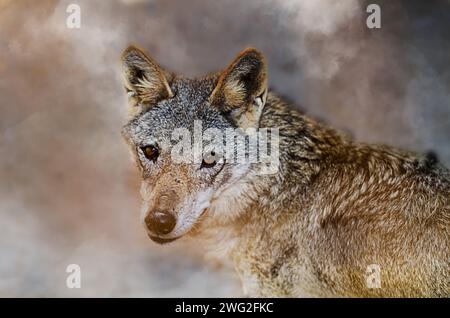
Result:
x=209 y=160
x=151 y=152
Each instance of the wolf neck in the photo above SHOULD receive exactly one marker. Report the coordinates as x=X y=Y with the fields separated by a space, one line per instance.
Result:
x=305 y=148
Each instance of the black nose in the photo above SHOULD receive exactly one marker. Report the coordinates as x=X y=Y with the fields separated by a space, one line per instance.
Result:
x=160 y=222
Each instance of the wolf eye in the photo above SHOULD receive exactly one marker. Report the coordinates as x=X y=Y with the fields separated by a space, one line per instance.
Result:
x=207 y=165
x=209 y=161
x=151 y=152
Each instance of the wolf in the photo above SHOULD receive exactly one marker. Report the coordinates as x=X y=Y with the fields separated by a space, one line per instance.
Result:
x=337 y=218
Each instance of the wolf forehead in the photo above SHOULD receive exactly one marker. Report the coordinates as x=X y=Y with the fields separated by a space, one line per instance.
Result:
x=189 y=104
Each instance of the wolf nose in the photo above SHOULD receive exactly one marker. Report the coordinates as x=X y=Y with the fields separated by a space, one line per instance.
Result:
x=160 y=222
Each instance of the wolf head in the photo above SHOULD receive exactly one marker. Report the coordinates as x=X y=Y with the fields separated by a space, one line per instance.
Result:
x=181 y=184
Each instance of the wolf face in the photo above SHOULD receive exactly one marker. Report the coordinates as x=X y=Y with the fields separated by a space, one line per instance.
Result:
x=180 y=189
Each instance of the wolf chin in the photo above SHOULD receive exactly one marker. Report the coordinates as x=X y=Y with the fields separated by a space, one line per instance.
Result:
x=332 y=210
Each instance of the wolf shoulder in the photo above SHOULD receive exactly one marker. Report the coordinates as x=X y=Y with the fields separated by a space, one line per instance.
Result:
x=384 y=185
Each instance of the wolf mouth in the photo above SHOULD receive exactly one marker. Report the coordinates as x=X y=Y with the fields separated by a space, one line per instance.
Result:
x=160 y=240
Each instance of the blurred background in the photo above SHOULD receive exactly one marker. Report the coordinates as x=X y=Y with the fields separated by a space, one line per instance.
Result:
x=68 y=188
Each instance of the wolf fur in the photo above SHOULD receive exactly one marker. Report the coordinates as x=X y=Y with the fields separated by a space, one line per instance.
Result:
x=334 y=208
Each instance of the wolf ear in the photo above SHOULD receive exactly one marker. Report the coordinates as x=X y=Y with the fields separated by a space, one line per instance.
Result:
x=241 y=89
x=145 y=81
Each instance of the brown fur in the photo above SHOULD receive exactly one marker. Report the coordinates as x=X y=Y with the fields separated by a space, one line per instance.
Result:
x=337 y=207
x=334 y=207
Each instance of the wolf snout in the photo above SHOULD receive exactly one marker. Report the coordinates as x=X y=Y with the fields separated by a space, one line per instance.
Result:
x=160 y=222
